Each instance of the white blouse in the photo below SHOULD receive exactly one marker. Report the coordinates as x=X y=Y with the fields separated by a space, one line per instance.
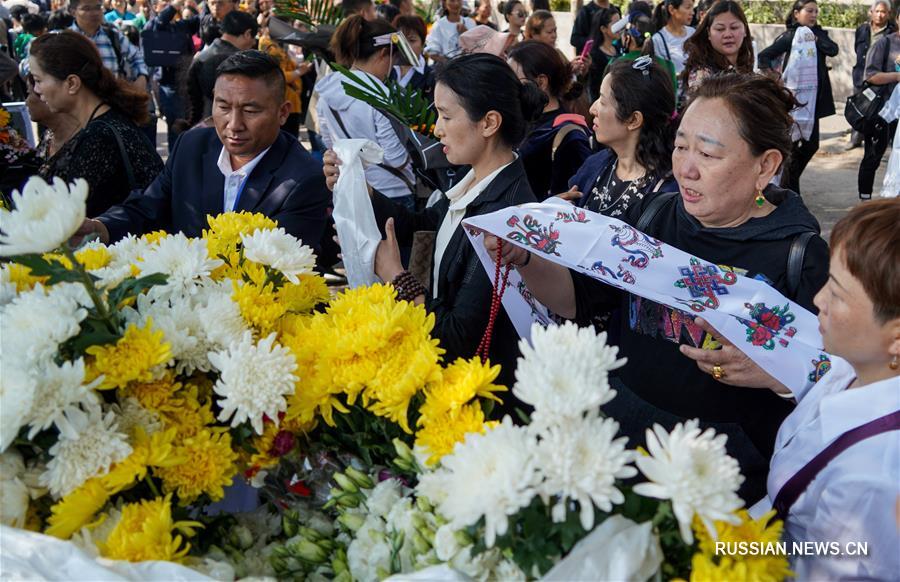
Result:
x=444 y=37
x=854 y=499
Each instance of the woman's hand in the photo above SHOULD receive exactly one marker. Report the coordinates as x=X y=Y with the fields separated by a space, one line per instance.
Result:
x=331 y=168
x=735 y=367
x=510 y=255
x=571 y=195
x=387 y=258
x=581 y=65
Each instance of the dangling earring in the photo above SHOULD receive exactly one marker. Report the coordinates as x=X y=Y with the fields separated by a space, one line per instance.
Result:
x=894 y=363
x=760 y=199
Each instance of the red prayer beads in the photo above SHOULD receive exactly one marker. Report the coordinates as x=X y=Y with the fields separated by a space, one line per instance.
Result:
x=496 y=299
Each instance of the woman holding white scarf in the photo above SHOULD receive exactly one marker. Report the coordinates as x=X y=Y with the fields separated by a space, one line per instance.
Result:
x=805 y=13
x=483 y=113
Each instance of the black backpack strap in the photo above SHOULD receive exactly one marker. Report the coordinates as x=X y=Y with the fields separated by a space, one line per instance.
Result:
x=652 y=209
x=116 y=47
x=795 y=261
x=796 y=485
x=129 y=170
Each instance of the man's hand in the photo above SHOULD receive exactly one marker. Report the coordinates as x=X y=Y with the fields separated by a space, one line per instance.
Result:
x=88 y=227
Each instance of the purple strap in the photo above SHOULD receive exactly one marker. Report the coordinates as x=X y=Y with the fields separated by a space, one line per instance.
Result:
x=797 y=484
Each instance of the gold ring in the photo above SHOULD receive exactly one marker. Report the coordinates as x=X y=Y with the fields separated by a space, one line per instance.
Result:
x=717 y=372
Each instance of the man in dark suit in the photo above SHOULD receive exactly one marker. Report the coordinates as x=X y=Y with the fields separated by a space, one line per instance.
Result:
x=245 y=163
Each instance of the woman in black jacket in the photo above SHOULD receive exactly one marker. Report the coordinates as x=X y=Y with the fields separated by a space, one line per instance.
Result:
x=483 y=113
x=803 y=13
x=867 y=34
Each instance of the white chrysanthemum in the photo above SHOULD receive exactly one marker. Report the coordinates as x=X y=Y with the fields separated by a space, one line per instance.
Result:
x=14 y=495
x=253 y=380
x=220 y=316
x=490 y=475
x=17 y=388
x=185 y=261
x=8 y=289
x=124 y=254
x=89 y=443
x=563 y=372
x=60 y=390
x=279 y=250
x=580 y=460
x=693 y=470
x=45 y=216
x=36 y=322
x=180 y=321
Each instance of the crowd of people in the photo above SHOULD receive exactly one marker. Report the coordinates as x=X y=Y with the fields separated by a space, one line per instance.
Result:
x=669 y=118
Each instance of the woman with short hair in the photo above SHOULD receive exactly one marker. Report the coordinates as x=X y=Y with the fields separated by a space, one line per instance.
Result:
x=109 y=149
x=850 y=494
x=732 y=139
x=541 y=26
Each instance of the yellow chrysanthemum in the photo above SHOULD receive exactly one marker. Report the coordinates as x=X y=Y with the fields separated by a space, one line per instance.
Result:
x=152 y=395
x=22 y=277
x=156 y=450
x=259 y=306
x=706 y=566
x=154 y=237
x=224 y=237
x=186 y=414
x=440 y=434
x=4 y=117
x=77 y=509
x=146 y=531
x=131 y=359
x=461 y=381
x=94 y=258
x=301 y=298
x=210 y=466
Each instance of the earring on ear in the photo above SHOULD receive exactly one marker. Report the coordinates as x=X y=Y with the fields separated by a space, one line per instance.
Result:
x=760 y=199
x=894 y=363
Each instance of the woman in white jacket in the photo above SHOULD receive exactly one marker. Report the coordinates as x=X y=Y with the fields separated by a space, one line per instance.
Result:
x=365 y=46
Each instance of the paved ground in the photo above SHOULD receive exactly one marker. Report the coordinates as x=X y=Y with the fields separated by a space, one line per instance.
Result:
x=828 y=184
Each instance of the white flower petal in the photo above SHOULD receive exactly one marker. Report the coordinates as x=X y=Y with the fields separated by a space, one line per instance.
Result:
x=45 y=216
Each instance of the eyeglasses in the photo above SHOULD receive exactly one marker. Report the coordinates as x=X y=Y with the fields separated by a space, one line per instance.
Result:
x=520 y=14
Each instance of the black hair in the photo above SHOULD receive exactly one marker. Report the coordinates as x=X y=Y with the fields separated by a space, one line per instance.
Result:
x=661 y=12
x=484 y=83
x=33 y=23
x=649 y=91
x=237 y=23
x=540 y=5
x=798 y=5
x=536 y=59
x=387 y=11
x=254 y=64
x=59 y=20
x=18 y=12
x=509 y=7
x=132 y=33
x=413 y=24
x=602 y=18
x=352 y=7
x=354 y=39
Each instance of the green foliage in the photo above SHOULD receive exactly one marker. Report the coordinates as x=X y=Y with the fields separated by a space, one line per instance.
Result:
x=131 y=287
x=405 y=103
x=560 y=5
x=831 y=14
x=310 y=12
x=529 y=542
x=362 y=434
x=52 y=268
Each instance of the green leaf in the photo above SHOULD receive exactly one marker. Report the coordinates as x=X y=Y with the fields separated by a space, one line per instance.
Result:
x=132 y=287
x=54 y=269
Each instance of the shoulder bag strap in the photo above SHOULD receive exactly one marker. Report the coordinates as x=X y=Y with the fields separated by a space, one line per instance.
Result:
x=795 y=261
x=396 y=172
x=129 y=170
x=117 y=49
x=665 y=45
x=560 y=136
x=796 y=485
x=653 y=208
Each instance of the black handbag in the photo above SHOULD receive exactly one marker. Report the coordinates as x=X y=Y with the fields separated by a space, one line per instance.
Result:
x=861 y=110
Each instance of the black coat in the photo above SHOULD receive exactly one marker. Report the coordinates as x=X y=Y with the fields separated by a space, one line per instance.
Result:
x=781 y=50
x=287 y=185
x=463 y=302
x=201 y=78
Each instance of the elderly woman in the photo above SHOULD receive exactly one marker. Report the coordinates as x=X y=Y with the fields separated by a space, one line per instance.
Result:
x=731 y=142
x=838 y=493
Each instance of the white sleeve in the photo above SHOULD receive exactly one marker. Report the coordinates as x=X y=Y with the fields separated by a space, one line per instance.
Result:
x=434 y=43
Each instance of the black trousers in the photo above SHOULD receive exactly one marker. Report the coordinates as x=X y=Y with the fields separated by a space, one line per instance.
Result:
x=802 y=152
x=876 y=143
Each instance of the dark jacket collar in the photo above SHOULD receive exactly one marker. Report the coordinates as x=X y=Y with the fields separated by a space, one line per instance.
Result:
x=500 y=184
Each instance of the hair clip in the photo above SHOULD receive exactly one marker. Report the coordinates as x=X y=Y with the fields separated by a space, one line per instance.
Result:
x=642 y=64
